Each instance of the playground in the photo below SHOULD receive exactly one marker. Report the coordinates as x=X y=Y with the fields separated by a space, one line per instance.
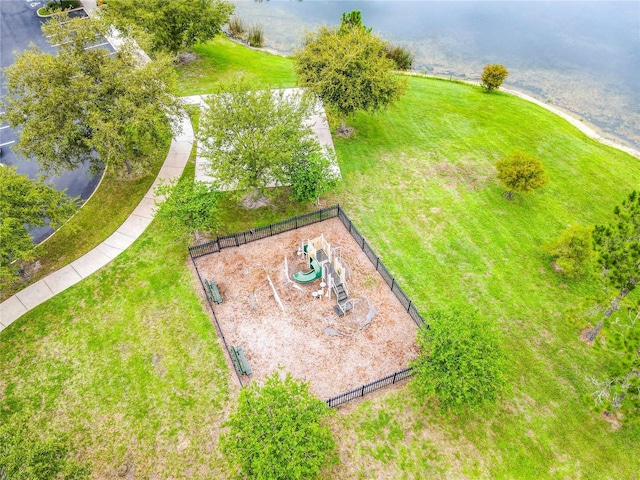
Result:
x=310 y=301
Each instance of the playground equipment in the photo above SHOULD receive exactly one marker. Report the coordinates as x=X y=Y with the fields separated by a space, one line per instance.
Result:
x=310 y=276
x=355 y=323
x=326 y=262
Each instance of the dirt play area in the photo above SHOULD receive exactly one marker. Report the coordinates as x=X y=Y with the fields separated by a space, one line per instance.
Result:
x=304 y=334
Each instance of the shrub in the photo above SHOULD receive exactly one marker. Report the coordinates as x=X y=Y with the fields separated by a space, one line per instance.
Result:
x=401 y=56
x=236 y=27
x=493 y=76
x=255 y=37
x=572 y=251
x=460 y=362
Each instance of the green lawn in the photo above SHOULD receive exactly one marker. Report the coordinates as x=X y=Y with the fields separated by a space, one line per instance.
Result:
x=128 y=363
x=223 y=60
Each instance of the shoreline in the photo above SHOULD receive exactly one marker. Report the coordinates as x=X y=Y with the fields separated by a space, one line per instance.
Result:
x=589 y=130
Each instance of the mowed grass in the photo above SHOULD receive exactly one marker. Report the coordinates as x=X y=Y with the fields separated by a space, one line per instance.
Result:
x=419 y=181
x=128 y=364
x=223 y=60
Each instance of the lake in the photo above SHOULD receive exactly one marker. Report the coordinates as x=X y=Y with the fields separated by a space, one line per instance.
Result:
x=580 y=56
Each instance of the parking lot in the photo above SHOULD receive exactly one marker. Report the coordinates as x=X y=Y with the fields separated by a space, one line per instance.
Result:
x=20 y=27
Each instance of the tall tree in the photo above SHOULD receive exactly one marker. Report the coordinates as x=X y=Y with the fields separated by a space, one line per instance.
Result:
x=84 y=101
x=26 y=203
x=348 y=69
x=617 y=245
x=278 y=430
x=171 y=25
x=620 y=391
x=252 y=137
x=521 y=172
x=460 y=362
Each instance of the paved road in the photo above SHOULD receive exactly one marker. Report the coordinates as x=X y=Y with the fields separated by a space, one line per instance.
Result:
x=20 y=27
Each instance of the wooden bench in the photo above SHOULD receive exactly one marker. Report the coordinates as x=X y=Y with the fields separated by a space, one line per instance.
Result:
x=241 y=360
x=213 y=291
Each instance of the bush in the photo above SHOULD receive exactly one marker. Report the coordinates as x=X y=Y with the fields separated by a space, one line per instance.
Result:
x=493 y=76
x=236 y=27
x=255 y=37
x=572 y=251
x=460 y=362
x=277 y=431
x=401 y=56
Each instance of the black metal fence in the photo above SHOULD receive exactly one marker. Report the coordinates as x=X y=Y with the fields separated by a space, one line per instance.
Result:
x=369 y=388
x=237 y=239
x=217 y=324
x=380 y=268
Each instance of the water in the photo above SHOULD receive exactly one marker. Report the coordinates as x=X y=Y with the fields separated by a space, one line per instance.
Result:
x=581 y=56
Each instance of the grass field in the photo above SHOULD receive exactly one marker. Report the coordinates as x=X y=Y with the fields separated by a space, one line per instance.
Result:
x=113 y=201
x=128 y=364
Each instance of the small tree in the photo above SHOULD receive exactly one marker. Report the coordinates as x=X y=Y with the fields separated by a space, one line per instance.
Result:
x=310 y=177
x=170 y=25
x=252 y=137
x=618 y=247
x=572 y=251
x=26 y=203
x=349 y=70
x=189 y=205
x=460 y=362
x=520 y=172
x=278 y=431
x=492 y=76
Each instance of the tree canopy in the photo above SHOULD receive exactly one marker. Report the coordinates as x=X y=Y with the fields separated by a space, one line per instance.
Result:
x=492 y=76
x=189 y=205
x=619 y=392
x=278 y=431
x=617 y=245
x=521 y=172
x=26 y=203
x=82 y=102
x=461 y=361
x=349 y=70
x=170 y=25
x=254 y=137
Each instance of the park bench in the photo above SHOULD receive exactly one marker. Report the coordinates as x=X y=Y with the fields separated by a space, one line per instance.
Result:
x=213 y=291
x=241 y=360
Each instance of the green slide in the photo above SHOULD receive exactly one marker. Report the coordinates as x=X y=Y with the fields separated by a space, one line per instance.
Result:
x=314 y=274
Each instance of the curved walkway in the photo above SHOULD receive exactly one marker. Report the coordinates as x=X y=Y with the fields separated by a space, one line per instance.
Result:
x=44 y=289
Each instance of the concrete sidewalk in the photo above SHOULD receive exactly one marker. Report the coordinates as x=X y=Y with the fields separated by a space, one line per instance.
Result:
x=44 y=289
